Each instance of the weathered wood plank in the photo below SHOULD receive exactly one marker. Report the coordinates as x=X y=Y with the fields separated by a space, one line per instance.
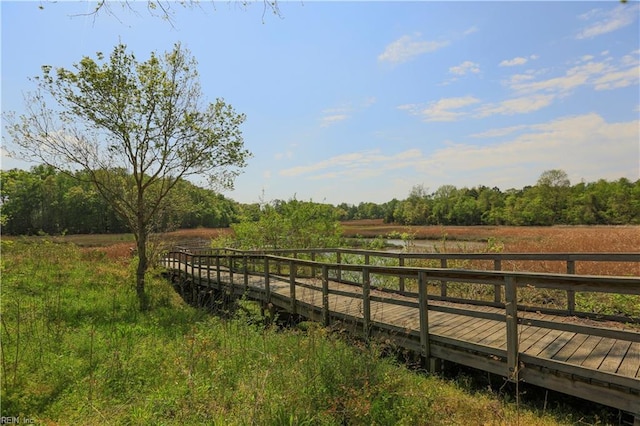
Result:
x=599 y=353
x=568 y=349
x=615 y=356
x=631 y=365
x=554 y=347
x=542 y=343
x=581 y=354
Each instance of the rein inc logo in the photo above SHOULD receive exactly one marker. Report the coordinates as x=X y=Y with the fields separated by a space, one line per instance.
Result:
x=16 y=421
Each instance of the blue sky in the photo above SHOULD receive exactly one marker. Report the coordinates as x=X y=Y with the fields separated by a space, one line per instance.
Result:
x=360 y=101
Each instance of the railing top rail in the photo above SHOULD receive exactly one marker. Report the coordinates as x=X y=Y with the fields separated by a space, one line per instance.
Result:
x=557 y=256
x=604 y=284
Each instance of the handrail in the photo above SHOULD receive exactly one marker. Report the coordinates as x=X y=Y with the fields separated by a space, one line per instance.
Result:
x=570 y=283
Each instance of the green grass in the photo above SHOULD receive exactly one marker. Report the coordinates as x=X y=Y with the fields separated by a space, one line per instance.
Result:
x=75 y=350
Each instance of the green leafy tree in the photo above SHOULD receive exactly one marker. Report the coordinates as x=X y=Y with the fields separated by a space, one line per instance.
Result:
x=292 y=224
x=135 y=129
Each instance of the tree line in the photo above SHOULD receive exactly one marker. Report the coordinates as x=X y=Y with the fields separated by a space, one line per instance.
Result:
x=552 y=201
x=47 y=201
x=44 y=200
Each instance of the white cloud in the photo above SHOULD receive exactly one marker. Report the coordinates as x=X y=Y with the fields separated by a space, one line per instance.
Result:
x=615 y=80
x=604 y=75
x=464 y=68
x=494 y=133
x=441 y=110
x=608 y=21
x=354 y=164
x=519 y=60
x=521 y=105
x=329 y=120
x=471 y=30
x=585 y=146
x=283 y=155
x=331 y=116
x=408 y=47
x=513 y=62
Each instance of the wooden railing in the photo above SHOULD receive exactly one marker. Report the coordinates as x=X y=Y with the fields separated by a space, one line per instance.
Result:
x=408 y=285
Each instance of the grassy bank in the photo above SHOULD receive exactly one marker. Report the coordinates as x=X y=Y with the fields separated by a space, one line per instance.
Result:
x=75 y=349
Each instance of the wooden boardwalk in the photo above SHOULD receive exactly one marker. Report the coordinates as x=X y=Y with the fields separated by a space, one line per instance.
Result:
x=583 y=357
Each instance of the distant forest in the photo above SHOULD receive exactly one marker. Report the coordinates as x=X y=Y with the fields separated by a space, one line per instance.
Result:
x=45 y=201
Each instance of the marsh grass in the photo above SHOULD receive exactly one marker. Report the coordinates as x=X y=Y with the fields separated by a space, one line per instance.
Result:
x=75 y=350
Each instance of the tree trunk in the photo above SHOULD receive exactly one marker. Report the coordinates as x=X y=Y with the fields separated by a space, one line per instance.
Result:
x=143 y=264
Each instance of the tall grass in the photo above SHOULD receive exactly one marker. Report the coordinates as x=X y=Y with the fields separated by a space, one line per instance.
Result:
x=75 y=350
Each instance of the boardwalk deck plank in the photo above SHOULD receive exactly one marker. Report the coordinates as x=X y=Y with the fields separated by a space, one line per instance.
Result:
x=543 y=343
x=585 y=349
x=615 y=356
x=554 y=347
x=571 y=346
x=631 y=365
x=599 y=353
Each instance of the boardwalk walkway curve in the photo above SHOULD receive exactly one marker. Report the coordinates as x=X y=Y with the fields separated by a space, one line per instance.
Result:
x=471 y=317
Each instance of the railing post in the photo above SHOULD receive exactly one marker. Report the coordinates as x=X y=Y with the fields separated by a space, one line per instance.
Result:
x=199 y=271
x=423 y=308
x=218 y=278
x=231 y=262
x=292 y=286
x=339 y=261
x=325 y=295
x=443 y=283
x=186 y=265
x=497 y=296
x=571 y=294
x=511 y=307
x=267 y=284
x=366 y=302
x=401 y=282
x=208 y=270
x=313 y=268
x=245 y=271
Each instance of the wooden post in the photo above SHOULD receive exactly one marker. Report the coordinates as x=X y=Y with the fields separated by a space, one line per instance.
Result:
x=245 y=261
x=338 y=261
x=443 y=284
x=571 y=294
x=292 y=286
x=209 y=271
x=497 y=296
x=511 y=307
x=366 y=302
x=186 y=264
x=267 y=284
x=325 y=295
x=231 y=261
x=199 y=271
x=401 y=282
x=313 y=268
x=218 y=278
x=425 y=351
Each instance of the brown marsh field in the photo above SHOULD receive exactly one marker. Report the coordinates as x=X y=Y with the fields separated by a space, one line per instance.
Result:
x=454 y=239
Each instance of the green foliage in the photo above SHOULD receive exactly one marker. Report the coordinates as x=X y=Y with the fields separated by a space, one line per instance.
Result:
x=292 y=224
x=552 y=201
x=52 y=202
